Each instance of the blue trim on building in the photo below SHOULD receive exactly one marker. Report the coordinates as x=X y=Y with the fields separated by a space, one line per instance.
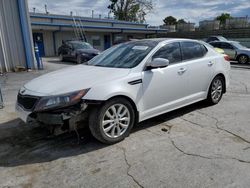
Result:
x=25 y=33
x=61 y=17
x=120 y=29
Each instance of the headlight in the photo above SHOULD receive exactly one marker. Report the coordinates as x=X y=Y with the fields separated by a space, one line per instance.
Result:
x=68 y=99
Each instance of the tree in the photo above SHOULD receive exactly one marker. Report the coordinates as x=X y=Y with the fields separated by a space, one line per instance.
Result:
x=181 y=21
x=170 y=20
x=131 y=10
x=223 y=17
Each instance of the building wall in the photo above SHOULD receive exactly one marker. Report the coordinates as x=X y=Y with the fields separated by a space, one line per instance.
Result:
x=12 y=48
x=62 y=19
x=209 y=25
x=56 y=28
x=51 y=44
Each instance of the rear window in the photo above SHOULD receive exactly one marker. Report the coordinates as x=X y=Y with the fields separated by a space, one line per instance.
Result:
x=192 y=50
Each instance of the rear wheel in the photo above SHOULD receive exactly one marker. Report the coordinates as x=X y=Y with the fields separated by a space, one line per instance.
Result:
x=61 y=58
x=113 y=121
x=216 y=90
x=243 y=59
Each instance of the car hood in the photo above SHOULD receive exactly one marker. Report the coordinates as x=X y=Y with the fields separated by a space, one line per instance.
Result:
x=73 y=79
x=88 y=51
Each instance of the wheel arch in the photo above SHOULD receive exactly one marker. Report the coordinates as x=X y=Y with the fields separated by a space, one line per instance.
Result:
x=224 y=79
x=131 y=102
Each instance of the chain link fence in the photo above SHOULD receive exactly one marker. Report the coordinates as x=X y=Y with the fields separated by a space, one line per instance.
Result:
x=237 y=22
x=1 y=98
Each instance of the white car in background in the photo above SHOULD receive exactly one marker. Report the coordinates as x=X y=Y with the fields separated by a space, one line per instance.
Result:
x=126 y=84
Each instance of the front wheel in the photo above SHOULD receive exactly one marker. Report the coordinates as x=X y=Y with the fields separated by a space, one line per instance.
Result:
x=113 y=121
x=215 y=92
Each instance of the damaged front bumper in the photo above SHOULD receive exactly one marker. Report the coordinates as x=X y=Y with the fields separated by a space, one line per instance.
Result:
x=67 y=119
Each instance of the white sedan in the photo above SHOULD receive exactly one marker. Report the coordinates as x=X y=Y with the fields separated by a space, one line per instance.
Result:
x=126 y=84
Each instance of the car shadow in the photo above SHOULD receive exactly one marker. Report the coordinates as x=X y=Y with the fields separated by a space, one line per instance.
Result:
x=21 y=144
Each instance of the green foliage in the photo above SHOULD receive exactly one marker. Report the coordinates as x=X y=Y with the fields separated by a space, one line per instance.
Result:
x=223 y=17
x=181 y=21
x=131 y=10
x=170 y=20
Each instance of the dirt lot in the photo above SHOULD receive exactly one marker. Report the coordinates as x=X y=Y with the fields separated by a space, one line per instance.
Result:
x=197 y=146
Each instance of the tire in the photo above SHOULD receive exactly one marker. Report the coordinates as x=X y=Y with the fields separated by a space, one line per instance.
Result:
x=215 y=92
x=79 y=59
x=105 y=118
x=243 y=59
x=61 y=58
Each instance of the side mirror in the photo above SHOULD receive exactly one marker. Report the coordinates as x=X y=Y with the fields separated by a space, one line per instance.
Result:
x=158 y=63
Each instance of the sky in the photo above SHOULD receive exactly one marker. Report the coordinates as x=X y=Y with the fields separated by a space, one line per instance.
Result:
x=190 y=10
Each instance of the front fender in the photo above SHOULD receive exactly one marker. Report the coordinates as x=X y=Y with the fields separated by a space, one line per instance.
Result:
x=121 y=87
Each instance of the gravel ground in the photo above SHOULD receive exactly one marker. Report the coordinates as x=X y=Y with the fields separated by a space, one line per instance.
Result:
x=196 y=146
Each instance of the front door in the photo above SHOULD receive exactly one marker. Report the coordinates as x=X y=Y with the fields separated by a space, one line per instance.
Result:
x=38 y=40
x=165 y=88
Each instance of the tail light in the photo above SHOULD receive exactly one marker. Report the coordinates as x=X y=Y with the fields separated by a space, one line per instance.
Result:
x=226 y=57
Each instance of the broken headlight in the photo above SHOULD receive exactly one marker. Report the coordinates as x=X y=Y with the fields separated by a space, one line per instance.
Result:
x=59 y=101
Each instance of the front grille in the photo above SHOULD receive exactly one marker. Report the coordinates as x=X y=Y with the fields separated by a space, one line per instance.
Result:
x=26 y=101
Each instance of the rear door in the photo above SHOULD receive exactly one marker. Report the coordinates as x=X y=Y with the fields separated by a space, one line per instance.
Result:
x=200 y=69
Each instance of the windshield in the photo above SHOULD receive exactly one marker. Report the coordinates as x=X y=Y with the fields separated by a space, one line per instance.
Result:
x=238 y=45
x=126 y=55
x=81 y=45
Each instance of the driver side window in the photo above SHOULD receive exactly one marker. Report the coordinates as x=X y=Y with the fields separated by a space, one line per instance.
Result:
x=172 y=52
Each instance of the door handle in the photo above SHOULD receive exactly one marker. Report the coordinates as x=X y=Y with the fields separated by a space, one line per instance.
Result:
x=182 y=71
x=210 y=63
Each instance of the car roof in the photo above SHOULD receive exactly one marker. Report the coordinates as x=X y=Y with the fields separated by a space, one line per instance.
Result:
x=216 y=36
x=167 y=39
x=228 y=41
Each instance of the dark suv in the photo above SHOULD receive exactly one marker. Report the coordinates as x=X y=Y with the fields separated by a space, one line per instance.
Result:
x=77 y=51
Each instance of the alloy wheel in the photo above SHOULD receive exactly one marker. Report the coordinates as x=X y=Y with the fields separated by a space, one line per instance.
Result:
x=216 y=91
x=116 y=120
x=243 y=59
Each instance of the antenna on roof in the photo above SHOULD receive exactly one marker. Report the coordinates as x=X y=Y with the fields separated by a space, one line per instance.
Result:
x=100 y=16
x=46 y=9
x=71 y=13
x=92 y=13
x=34 y=9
